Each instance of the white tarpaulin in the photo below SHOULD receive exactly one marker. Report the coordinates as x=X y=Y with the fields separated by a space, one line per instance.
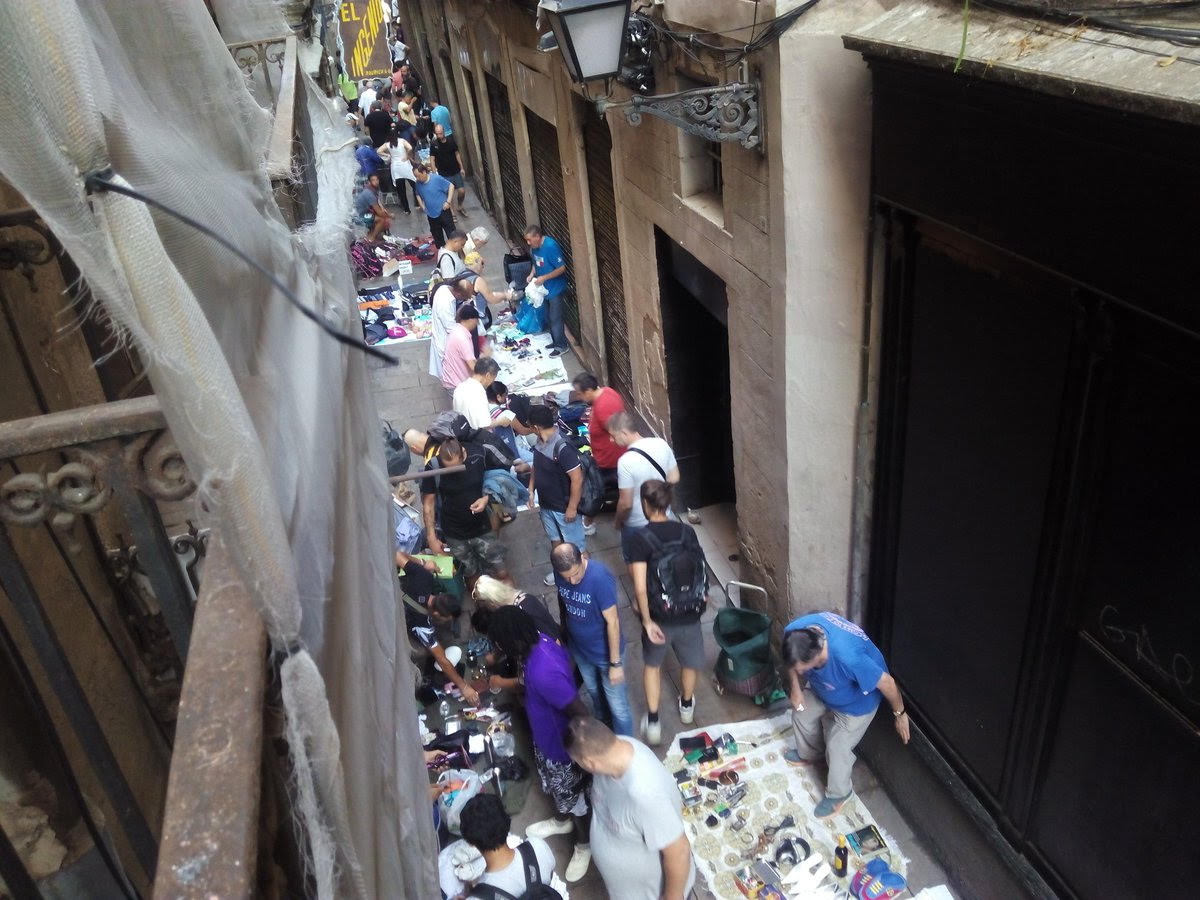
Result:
x=274 y=418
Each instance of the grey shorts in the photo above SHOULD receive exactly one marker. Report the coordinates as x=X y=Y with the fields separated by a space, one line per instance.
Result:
x=456 y=180
x=686 y=640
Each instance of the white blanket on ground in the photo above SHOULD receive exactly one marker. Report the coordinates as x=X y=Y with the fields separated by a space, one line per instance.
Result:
x=775 y=790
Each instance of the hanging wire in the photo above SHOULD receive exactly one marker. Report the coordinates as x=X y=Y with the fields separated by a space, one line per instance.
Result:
x=99 y=181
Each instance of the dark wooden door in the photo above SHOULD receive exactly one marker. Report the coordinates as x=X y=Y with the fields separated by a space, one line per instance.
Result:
x=597 y=142
x=552 y=202
x=484 y=184
x=506 y=151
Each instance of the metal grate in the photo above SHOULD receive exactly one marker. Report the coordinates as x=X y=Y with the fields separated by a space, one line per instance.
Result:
x=552 y=202
x=506 y=150
x=486 y=182
x=598 y=150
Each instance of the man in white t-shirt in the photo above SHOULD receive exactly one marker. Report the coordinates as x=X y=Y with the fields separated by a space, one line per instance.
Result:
x=470 y=397
x=366 y=96
x=645 y=458
x=444 y=304
x=485 y=827
x=638 y=840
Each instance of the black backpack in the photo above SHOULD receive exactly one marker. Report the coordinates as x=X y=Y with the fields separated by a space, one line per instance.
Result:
x=591 y=497
x=534 y=889
x=676 y=575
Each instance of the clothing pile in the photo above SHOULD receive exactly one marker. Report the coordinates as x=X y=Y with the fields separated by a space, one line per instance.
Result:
x=393 y=313
x=370 y=258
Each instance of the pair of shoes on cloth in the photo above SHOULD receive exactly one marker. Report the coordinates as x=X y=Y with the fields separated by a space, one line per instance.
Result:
x=831 y=806
x=876 y=881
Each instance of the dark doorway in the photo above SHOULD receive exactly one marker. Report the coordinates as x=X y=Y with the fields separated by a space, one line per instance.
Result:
x=552 y=202
x=597 y=143
x=506 y=151
x=695 y=318
x=484 y=184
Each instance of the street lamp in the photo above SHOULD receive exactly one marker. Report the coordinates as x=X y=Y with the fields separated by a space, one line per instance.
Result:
x=591 y=35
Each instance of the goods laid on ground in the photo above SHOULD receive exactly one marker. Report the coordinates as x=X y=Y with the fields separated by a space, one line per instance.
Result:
x=748 y=815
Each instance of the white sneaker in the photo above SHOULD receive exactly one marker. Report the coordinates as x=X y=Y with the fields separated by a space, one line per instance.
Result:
x=580 y=860
x=687 y=713
x=589 y=530
x=652 y=731
x=548 y=581
x=550 y=827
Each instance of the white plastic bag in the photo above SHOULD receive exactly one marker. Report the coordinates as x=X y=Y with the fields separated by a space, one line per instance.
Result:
x=535 y=293
x=451 y=804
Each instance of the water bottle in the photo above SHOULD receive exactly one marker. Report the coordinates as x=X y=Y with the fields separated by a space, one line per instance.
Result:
x=444 y=710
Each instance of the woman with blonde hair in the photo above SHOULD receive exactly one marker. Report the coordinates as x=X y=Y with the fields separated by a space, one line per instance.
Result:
x=483 y=294
x=491 y=594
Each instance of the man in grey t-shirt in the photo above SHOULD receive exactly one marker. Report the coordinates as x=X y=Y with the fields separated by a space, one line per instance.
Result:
x=637 y=837
x=645 y=458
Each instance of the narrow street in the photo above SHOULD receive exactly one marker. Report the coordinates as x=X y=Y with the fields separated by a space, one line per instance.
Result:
x=409 y=397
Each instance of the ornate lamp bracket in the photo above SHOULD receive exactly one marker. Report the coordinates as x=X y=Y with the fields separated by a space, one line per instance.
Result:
x=727 y=112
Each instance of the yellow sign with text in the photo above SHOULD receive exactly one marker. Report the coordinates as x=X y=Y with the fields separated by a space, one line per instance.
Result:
x=365 y=51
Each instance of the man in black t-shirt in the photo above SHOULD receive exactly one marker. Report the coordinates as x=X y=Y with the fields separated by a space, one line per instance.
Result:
x=466 y=529
x=379 y=125
x=419 y=587
x=558 y=481
x=449 y=164
x=682 y=633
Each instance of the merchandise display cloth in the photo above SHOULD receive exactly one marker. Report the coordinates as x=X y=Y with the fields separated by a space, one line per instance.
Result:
x=528 y=368
x=774 y=790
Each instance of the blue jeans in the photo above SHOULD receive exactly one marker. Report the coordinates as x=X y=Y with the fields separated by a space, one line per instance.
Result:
x=505 y=489
x=560 y=531
x=554 y=321
x=595 y=679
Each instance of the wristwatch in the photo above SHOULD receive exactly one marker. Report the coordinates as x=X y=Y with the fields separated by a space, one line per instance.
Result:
x=899 y=714
x=615 y=665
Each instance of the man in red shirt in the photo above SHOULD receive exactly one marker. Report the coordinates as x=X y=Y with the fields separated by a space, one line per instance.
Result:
x=604 y=403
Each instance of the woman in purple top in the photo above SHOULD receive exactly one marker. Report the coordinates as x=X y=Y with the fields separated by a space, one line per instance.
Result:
x=551 y=698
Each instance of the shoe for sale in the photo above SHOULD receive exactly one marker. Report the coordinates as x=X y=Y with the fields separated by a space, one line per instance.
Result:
x=589 y=530
x=652 y=731
x=549 y=580
x=687 y=713
x=580 y=860
x=830 y=806
x=549 y=827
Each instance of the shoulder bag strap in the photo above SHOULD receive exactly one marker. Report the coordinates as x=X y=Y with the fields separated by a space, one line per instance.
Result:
x=414 y=604
x=533 y=873
x=489 y=892
x=650 y=459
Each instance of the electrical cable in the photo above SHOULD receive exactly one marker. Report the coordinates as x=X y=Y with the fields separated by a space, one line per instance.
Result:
x=45 y=725
x=98 y=181
x=1183 y=37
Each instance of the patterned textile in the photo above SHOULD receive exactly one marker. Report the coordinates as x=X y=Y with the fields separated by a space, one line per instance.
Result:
x=774 y=790
x=565 y=783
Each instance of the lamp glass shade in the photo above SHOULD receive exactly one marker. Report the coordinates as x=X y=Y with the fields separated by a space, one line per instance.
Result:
x=591 y=34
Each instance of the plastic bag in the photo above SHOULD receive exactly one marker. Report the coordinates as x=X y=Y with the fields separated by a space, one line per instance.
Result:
x=535 y=293
x=529 y=318
x=466 y=785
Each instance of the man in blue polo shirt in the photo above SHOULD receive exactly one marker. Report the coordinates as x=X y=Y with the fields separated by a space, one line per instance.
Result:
x=550 y=271
x=838 y=675
x=434 y=195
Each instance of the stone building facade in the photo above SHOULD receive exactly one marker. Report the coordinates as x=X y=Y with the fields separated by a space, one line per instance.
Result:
x=720 y=289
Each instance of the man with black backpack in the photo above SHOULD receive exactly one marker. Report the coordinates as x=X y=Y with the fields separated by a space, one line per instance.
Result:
x=670 y=586
x=558 y=481
x=521 y=874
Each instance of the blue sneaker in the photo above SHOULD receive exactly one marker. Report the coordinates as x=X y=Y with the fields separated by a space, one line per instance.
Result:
x=830 y=806
x=792 y=758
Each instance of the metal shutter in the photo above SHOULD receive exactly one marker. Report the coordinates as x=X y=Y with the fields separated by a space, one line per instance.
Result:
x=552 y=202
x=598 y=149
x=486 y=182
x=506 y=150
